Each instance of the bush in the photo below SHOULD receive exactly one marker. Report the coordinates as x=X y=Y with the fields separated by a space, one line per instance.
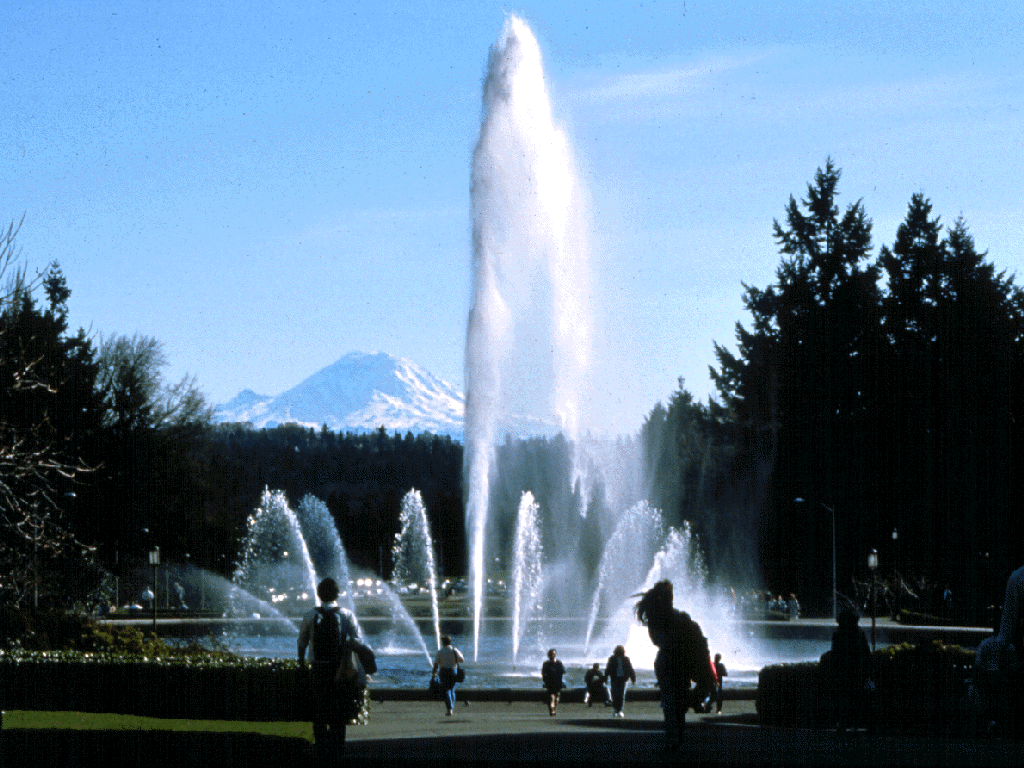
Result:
x=212 y=686
x=56 y=660
x=921 y=619
x=65 y=631
x=917 y=689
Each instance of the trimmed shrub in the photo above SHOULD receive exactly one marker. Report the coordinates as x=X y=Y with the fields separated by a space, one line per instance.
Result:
x=917 y=689
x=213 y=687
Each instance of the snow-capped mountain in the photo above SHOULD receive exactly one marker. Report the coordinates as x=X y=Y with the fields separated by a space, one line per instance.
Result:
x=360 y=392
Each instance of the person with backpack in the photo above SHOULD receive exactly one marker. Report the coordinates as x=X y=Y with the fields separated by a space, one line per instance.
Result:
x=329 y=630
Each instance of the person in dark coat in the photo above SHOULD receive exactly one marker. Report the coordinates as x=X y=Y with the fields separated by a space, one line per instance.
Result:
x=619 y=670
x=682 y=657
x=849 y=662
x=551 y=673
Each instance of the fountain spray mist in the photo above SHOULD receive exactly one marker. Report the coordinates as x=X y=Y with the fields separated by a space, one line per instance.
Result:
x=528 y=336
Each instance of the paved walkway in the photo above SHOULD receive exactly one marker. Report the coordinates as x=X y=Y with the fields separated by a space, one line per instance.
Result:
x=418 y=733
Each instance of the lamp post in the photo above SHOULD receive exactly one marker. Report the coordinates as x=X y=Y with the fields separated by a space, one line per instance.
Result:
x=896 y=570
x=835 y=613
x=35 y=562
x=873 y=567
x=154 y=560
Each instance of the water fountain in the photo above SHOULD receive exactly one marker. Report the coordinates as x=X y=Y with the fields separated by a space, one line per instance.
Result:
x=625 y=560
x=527 y=349
x=527 y=573
x=278 y=571
x=414 y=553
x=275 y=561
x=574 y=533
x=530 y=288
x=326 y=552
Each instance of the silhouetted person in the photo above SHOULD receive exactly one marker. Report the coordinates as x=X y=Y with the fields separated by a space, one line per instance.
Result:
x=551 y=673
x=596 y=688
x=446 y=667
x=997 y=662
x=682 y=657
x=619 y=670
x=849 y=663
x=720 y=672
x=328 y=628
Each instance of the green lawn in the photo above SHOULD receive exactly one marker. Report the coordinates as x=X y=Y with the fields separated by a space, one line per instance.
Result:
x=87 y=721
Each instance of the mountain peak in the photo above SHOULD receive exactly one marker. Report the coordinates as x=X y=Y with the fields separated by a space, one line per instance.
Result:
x=360 y=392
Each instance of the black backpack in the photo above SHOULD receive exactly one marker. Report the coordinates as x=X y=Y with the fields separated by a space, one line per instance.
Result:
x=327 y=636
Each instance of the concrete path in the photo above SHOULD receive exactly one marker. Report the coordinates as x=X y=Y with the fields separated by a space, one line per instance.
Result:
x=417 y=733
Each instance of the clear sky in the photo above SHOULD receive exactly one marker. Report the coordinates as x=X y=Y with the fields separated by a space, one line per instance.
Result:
x=264 y=187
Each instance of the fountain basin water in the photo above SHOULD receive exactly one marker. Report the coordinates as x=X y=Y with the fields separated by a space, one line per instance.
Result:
x=405 y=667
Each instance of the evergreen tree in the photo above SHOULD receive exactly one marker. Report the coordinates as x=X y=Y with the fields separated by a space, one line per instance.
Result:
x=804 y=381
x=47 y=416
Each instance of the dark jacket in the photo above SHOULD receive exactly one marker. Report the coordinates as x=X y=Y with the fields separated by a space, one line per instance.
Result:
x=594 y=679
x=682 y=653
x=613 y=667
x=551 y=673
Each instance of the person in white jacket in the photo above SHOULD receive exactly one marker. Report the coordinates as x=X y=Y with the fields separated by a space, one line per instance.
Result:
x=446 y=665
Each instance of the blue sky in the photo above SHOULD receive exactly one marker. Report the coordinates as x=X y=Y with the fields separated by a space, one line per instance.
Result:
x=264 y=187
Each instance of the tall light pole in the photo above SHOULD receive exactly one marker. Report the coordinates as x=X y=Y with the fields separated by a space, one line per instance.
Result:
x=154 y=560
x=835 y=613
x=873 y=567
x=896 y=570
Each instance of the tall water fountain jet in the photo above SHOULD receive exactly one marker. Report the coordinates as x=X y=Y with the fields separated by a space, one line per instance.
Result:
x=414 y=553
x=527 y=573
x=275 y=560
x=527 y=347
x=625 y=561
x=286 y=554
x=326 y=552
x=528 y=335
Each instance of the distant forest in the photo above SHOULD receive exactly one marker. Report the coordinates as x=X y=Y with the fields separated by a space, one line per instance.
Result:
x=877 y=399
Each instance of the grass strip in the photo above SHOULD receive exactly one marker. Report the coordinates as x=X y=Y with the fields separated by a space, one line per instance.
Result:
x=91 y=721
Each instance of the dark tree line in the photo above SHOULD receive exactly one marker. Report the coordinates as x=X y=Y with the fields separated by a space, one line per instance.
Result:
x=360 y=477
x=693 y=473
x=887 y=389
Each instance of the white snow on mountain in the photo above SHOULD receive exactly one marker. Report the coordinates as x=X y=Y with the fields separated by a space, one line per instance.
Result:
x=359 y=393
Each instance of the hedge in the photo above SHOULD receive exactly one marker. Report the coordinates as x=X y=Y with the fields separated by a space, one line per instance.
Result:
x=917 y=689
x=264 y=690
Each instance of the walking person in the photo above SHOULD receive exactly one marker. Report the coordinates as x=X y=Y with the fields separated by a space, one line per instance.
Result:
x=619 y=670
x=326 y=631
x=551 y=673
x=446 y=667
x=682 y=656
x=720 y=672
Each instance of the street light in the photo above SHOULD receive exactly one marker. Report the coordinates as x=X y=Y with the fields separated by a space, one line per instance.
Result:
x=835 y=613
x=873 y=567
x=896 y=570
x=154 y=560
